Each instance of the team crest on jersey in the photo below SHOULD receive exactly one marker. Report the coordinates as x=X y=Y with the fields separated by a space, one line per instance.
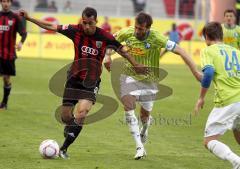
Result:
x=147 y=45
x=10 y=23
x=236 y=35
x=99 y=44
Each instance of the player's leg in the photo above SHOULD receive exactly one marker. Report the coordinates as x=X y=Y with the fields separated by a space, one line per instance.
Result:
x=7 y=69
x=74 y=123
x=219 y=121
x=68 y=119
x=221 y=150
x=6 y=91
x=129 y=103
x=146 y=108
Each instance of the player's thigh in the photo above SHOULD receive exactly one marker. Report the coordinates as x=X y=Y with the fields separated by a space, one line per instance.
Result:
x=222 y=119
x=236 y=134
x=129 y=102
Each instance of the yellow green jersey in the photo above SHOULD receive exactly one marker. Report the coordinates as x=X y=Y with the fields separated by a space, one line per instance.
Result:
x=225 y=60
x=146 y=52
x=231 y=36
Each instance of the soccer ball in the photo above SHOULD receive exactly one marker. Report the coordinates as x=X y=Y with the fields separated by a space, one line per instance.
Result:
x=49 y=149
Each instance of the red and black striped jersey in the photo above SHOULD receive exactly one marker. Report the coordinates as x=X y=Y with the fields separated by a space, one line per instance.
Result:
x=89 y=50
x=10 y=24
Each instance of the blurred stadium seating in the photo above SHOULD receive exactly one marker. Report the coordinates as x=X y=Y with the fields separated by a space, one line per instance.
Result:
x=124 y=8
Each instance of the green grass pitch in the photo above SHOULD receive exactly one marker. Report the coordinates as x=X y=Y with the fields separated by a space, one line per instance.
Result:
x=106 y=144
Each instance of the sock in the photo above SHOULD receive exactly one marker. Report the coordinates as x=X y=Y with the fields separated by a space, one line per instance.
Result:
x=132 y=122
x=6 y=93
x=223 y=151
x=145 y=125
x=71 y=131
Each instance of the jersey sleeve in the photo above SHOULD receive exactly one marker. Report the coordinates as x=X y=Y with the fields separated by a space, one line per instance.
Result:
x=113 y=43
x=122 y=35
x=206 y=59
x=163 y=42
x=21 y=26
x=67 y=30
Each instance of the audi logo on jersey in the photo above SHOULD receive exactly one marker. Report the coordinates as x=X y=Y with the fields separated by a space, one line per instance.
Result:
x=4 y=28
x=88 y=50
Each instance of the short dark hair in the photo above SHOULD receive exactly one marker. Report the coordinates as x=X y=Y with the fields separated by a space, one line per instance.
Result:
x=143 y=17
x=89 y=12
x=230 y=11
x=213 y=30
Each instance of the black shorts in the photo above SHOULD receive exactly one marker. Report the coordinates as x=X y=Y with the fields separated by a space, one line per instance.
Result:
x=76 y=89
x=7 y=67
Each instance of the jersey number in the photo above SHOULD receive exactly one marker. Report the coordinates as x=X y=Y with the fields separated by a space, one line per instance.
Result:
x=230 y=62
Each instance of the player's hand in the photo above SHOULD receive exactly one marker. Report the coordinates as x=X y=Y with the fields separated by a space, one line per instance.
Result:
x=23 y=13
x=108 y=61
x=108 y=65
x=140 y=69
x=19 y=46
x=199 y=105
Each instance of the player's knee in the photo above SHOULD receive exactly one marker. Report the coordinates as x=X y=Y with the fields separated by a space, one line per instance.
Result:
x=205 y=143
x=128 y=104
x=82 y=113
x=66 y=117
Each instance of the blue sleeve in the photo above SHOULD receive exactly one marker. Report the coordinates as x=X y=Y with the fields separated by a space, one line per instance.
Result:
x=208 y=74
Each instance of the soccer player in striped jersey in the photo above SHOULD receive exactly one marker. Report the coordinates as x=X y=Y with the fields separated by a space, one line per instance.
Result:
x=231 y=31
x=144 y=45
x=220 y=64
x=10 y=25
x=83 y=80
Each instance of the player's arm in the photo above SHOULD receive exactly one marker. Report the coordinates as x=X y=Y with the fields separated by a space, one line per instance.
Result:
x=208 y=73
x=188 y=60
x=108 y=60
x=107 y=57
x=40 y=23
x=21 y=29
x=139 y=68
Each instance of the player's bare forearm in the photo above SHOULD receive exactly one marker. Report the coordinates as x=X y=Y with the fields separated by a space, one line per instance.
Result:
x=188 y=60
x=40 y=23
x=200 y=102
x=139 y=68
x=126 y=55
x=203 y=92
x=43 y=24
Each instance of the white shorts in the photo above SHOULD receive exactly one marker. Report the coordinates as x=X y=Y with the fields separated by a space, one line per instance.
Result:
x=144 y=92
x=222 y=119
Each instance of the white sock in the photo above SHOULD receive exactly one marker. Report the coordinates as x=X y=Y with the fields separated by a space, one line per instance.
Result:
x=145 y=126
x=223 y=151
x=132 y=122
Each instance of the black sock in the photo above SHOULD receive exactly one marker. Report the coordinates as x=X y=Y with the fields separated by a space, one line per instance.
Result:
x=71 y=133
x=6 y=93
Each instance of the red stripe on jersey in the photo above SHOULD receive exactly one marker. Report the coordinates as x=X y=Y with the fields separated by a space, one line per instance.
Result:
x=6 y=41
x=84 y=58
x=1 y=38
x=75 y=65
x=94 y=63
x=76 y=43
x=12 y=40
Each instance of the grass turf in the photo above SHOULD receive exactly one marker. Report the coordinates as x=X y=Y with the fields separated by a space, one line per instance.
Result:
x=106 y=144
